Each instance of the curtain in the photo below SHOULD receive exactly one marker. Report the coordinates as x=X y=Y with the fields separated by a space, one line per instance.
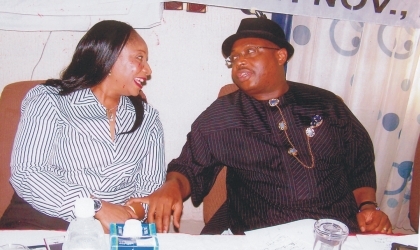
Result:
x=376 y=70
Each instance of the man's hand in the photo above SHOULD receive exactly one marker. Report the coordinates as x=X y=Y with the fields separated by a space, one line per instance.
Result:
x=372 y=220
x=112 y=213
x=165 y=201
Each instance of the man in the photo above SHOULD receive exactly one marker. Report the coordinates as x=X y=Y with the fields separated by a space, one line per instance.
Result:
x=292 y=151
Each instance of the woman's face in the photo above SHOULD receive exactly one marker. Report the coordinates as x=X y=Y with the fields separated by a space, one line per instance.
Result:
x=130 y=71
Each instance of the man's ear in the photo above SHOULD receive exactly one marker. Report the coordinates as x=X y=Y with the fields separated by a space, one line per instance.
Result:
x=282 y=56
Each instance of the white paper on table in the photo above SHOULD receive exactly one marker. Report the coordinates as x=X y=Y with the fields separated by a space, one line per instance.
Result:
x=179 y=241
x=351 y=243
x=384 y=242
x=297 y=235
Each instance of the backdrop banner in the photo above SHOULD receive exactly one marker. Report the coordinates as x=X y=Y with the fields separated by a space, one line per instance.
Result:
x=76 y=15
x=80 y=15
x=388 y=12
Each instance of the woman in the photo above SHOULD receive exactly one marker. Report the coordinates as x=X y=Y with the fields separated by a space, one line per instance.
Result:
x=88 y=134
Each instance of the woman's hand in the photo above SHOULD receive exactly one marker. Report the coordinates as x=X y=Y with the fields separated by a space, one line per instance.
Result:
x=166 y=201
x=137 y=208
x=112 y=213
x=162 y=203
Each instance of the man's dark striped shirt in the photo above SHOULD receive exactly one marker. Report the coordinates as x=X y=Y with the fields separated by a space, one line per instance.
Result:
x=265 y=185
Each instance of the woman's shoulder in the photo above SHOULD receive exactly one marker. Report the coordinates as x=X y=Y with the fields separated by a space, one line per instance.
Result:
x=150 y=111
x=42 y=89
x=151 y=119
x=40 y=97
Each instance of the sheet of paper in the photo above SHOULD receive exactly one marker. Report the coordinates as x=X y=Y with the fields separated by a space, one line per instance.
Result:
x=296 y=235
x=204 y=242
x=383 y=242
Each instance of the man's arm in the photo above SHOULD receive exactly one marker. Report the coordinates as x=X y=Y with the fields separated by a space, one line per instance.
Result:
x=369 y=218
x=361 y=175
x=167 y=200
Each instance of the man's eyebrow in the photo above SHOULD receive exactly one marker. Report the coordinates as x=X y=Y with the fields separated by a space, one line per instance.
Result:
x=248 y=45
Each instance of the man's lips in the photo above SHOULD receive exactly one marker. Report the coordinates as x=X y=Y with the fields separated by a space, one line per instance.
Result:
x=140 y=81
x=243 y=74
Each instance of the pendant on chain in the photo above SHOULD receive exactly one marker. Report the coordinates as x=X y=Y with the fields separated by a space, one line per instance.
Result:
x=282 y=125
x=293 y=152
x=310 y=132
x=316 y=121
x=273 y=102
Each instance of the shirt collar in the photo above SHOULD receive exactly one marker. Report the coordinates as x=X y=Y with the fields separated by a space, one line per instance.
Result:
x=85 y=97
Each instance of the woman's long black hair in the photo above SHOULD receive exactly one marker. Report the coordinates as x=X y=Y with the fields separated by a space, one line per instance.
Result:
x=93 y=59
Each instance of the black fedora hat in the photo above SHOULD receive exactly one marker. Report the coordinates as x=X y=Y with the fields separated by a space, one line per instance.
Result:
x=259 y=28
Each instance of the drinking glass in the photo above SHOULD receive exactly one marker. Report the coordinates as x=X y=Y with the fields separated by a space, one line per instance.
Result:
x=329 y=234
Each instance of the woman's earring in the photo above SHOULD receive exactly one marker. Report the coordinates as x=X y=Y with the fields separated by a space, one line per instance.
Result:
x=109 y=73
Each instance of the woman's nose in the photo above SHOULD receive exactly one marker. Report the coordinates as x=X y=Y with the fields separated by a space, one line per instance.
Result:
x=147 y=69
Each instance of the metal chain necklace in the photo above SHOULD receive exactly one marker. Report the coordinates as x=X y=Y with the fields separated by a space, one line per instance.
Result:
x=109 y=114
x=316 y=121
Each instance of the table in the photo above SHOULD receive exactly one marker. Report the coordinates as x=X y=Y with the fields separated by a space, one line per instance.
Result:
x=292 y=236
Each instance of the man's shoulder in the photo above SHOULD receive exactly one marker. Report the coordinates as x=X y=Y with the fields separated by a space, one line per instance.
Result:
x=309 y=100
x=222 y=105
x=310 y=90
x=222 y=110
x=307 y=95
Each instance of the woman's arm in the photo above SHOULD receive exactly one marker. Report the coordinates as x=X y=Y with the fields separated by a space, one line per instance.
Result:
x=152 y=172
x=33 y=177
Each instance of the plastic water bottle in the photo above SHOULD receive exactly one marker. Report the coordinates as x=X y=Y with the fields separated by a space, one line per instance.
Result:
x=84 y=232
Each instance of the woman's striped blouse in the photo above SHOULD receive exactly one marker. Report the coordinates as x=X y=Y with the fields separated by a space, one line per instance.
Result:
x=63 y=150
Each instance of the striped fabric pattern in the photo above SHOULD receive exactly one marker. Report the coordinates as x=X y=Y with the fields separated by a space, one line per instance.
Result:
x=265 y=185
x=63 y=151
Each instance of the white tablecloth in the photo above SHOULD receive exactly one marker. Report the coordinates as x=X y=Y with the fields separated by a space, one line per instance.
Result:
x=297 y=236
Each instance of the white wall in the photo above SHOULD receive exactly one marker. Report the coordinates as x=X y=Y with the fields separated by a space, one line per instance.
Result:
x=184 y=53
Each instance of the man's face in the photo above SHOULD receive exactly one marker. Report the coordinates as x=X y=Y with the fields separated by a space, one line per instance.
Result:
x=257 y=66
